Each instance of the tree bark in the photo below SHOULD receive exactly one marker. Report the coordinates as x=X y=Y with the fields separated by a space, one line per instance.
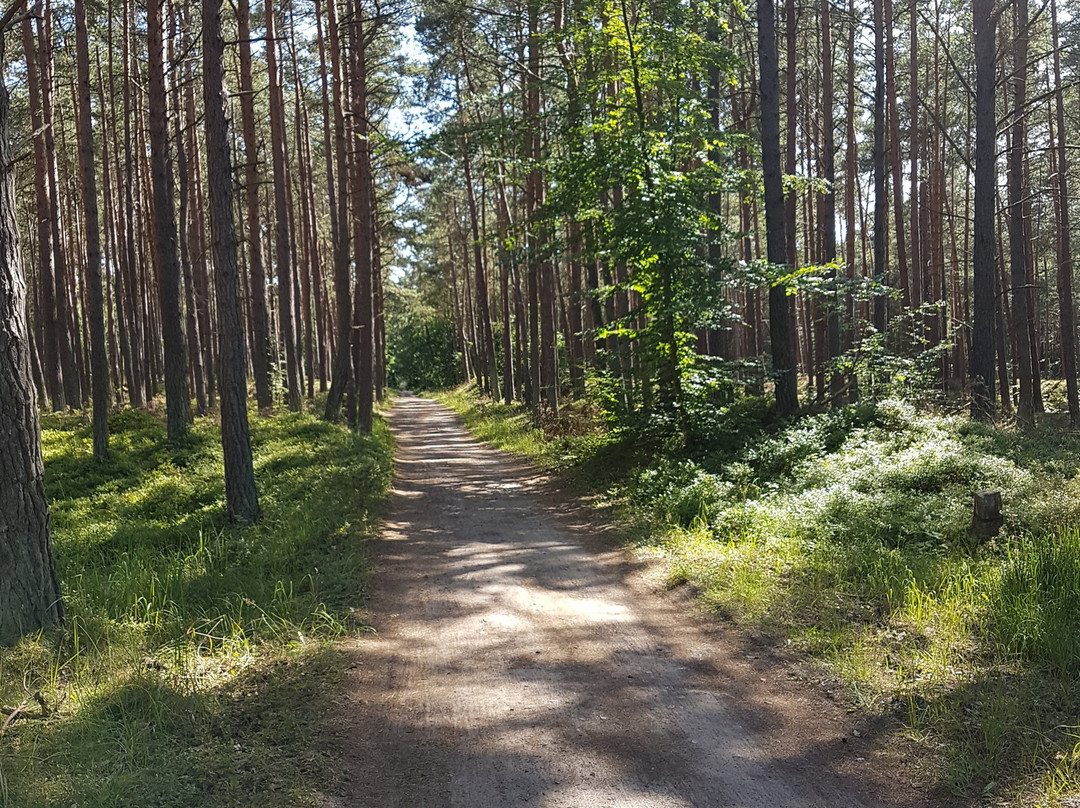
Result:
x=342 y=378
x=99 y=359
x=241 y=497
x=54 y=379
x=787 y=398
x=64 y=332
x=282 y=250
x=881 y=205
x=188 y=231
x=29 y=591
x=363 y=234
x=1065 y=257
x=260 y=326
x=1018 y=246
x=177 y=403
x=981 y=362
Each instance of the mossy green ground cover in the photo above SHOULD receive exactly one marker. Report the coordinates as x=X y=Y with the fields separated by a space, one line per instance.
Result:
x=845 y=536
x=197 y=659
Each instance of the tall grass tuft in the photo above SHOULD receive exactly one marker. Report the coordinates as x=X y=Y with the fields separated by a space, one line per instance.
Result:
x=1036 y=609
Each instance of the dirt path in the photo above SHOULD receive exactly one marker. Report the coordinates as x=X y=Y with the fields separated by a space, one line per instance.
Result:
x=520 y=663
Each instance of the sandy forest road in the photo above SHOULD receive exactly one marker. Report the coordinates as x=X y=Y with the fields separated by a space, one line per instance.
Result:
x=520 y=663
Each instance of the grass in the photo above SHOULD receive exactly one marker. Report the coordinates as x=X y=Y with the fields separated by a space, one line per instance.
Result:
x=845 y=535
x=197 y=658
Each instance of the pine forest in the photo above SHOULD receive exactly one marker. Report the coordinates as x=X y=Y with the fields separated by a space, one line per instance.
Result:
x=783 y=290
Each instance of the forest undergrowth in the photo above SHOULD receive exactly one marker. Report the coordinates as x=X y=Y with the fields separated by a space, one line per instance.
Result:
x=844 y=535
x=197 y=658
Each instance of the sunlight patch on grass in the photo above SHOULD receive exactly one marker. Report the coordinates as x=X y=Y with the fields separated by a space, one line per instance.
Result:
x=197 y=657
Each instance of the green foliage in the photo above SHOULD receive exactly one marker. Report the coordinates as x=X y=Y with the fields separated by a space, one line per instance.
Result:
x=195 y=664
x=1037 y=607
x=421 y=347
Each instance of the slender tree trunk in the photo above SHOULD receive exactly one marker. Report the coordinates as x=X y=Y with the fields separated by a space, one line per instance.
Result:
x=188 y=233
x=260 y=326
x=881 y=205
x=363 y=233
x=177 y=403
x=1018 y=247
x=64 y=331
x=1065 y=255
x=342 y=379
x=46 y=266
x=99 y=360
x=282 y=251
x=894 y=149
x=827 y=217
x=139 y=375
x=241 y=497
x=787 y=398
x=981 y=361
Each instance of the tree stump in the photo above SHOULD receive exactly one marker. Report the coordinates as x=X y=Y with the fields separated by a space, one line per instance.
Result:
x=986 y=519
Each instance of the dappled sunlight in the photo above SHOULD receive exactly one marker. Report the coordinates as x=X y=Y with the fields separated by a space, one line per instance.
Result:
x=513 y=665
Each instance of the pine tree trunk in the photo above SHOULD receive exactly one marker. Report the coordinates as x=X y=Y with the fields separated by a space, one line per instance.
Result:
x=177 y=403
x=363 y=231
x=787 y=398
x=282 y=248
x=64 y=332
x=188 y=231
x=827 y=217
x=29 y=592
x=241 y=497
x=341 y=381
x=133 y=290
x=260 y=324
x=99 y=360
x=1064 y=245
x=894 y=150
x=54 y=380
x=981 y=361
x=1018 y=246
x=881 y=206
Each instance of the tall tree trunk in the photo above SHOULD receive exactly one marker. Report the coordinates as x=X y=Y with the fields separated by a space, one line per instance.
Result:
x=542 y=268
x=241 y=497
x=787 y=398
x=894 y=149
x=981 y=362
x=133 y=290
x=260 y=325
x=827 y=217
x=282 y=247
x=46 y=267
x=918 y=261
x=29 y=592
x=188 y=230
x=64 y=331
x=363 y=232
x=342 y=379
x=791 y=200
x=851 y=174
x=1018 y=245
x=1065 y=257
x=177 y=403
x=486 y=347
x=99 y=360
x=881 y=205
